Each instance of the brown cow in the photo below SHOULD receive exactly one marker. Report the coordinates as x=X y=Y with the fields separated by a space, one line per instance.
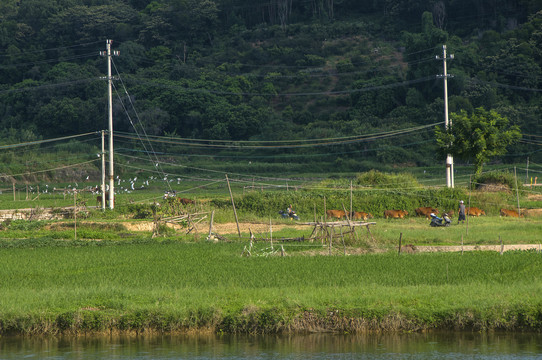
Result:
x=511 y=213
x=339 y=214
x=185 y=201
x=356 y=215
x=426 y=211
x=99 y=199
x=395 y=214
x=474 y=211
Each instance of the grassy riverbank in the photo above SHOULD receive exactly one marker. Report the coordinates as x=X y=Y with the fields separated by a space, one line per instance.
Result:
x=76 y=287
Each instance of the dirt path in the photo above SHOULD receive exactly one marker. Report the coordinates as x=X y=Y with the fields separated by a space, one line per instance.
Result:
x=222 y=229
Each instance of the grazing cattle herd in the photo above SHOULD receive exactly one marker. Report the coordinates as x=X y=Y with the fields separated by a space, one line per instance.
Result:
x=421 y=211
x=425 y=211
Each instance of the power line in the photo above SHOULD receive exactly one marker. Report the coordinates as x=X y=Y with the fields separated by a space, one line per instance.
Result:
x=496 y=84
x=138 y=118
x=286 y=156
x=40 y=62
x=48 y=86
x=46 y=170
x=291 y=145
x=53 y=49
x=357 y=137
x=327 y=93
x=37 y=142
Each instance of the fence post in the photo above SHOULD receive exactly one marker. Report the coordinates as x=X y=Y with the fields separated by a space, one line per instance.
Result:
x=75 y=215
x=233 y=204
x=400 y=241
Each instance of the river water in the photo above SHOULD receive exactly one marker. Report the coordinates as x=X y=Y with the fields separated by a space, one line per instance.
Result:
x=317 y=346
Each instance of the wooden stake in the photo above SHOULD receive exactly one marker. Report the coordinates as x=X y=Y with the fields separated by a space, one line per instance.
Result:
x=233 y=204
x=331 y=239
x=14 y=193
x=517 y=191
x=211 y=223
x=342 y=237
x=400 y=241
x=352 y=229
x=75 y=215
x=502 y=245
x=461 y=244
x=271 y=233
x=467 y=215
x=351 y=198
x=324 y=229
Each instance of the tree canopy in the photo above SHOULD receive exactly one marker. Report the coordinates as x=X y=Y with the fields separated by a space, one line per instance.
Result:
x=477 y=137
x=242 y=70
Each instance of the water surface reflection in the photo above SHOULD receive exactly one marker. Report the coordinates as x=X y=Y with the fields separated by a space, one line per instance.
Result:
x=316 y=346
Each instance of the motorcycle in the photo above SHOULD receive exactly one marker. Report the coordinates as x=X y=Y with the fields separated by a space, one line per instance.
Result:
x=437 y=221
x=291 y=215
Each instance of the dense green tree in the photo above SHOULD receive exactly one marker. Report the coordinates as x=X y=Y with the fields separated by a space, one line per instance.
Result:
x=477 y=137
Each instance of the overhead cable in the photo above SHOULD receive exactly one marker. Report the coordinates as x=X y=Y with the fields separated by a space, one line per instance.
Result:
x=338 y=92
x=37 y=142
x=293 y=144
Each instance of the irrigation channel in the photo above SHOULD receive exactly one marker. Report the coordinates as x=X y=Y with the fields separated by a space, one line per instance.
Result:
x=447 y=345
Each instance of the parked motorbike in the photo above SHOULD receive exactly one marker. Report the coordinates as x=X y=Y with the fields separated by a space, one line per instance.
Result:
x=291 y=215
x=437 y=221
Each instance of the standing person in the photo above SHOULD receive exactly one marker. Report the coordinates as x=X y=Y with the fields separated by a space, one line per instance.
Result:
x=461 y=212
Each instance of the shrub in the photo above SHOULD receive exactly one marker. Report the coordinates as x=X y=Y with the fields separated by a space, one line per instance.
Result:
x=495 y=179
x=387 y=180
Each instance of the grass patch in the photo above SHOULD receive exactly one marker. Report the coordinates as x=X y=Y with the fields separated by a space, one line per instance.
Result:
x=173 y=285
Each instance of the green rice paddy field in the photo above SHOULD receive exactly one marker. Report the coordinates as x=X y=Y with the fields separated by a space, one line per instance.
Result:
x=172 y=286
x=94 y=273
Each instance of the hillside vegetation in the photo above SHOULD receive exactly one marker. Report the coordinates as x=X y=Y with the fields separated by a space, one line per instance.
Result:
x=251 y=75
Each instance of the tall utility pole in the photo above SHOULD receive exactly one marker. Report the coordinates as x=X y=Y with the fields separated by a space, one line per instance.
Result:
x=110 y=111
x=447 y=124
x=103 y=170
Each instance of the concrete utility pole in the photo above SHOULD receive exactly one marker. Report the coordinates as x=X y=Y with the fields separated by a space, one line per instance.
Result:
x=108 y=53
x=447 y=124
x=103 y=170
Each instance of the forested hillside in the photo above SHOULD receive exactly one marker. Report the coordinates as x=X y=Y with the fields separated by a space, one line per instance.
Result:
x=358 y=78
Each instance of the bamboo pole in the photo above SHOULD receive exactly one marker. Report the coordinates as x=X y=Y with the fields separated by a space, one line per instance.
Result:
x=75 y=215
x=468 y=215
x=324 y=229
x=211 y=223
x=233 y=204
x=330 y=239
x=344 y=245
x=351 y=198
x=517 y=191
x=271 y=233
